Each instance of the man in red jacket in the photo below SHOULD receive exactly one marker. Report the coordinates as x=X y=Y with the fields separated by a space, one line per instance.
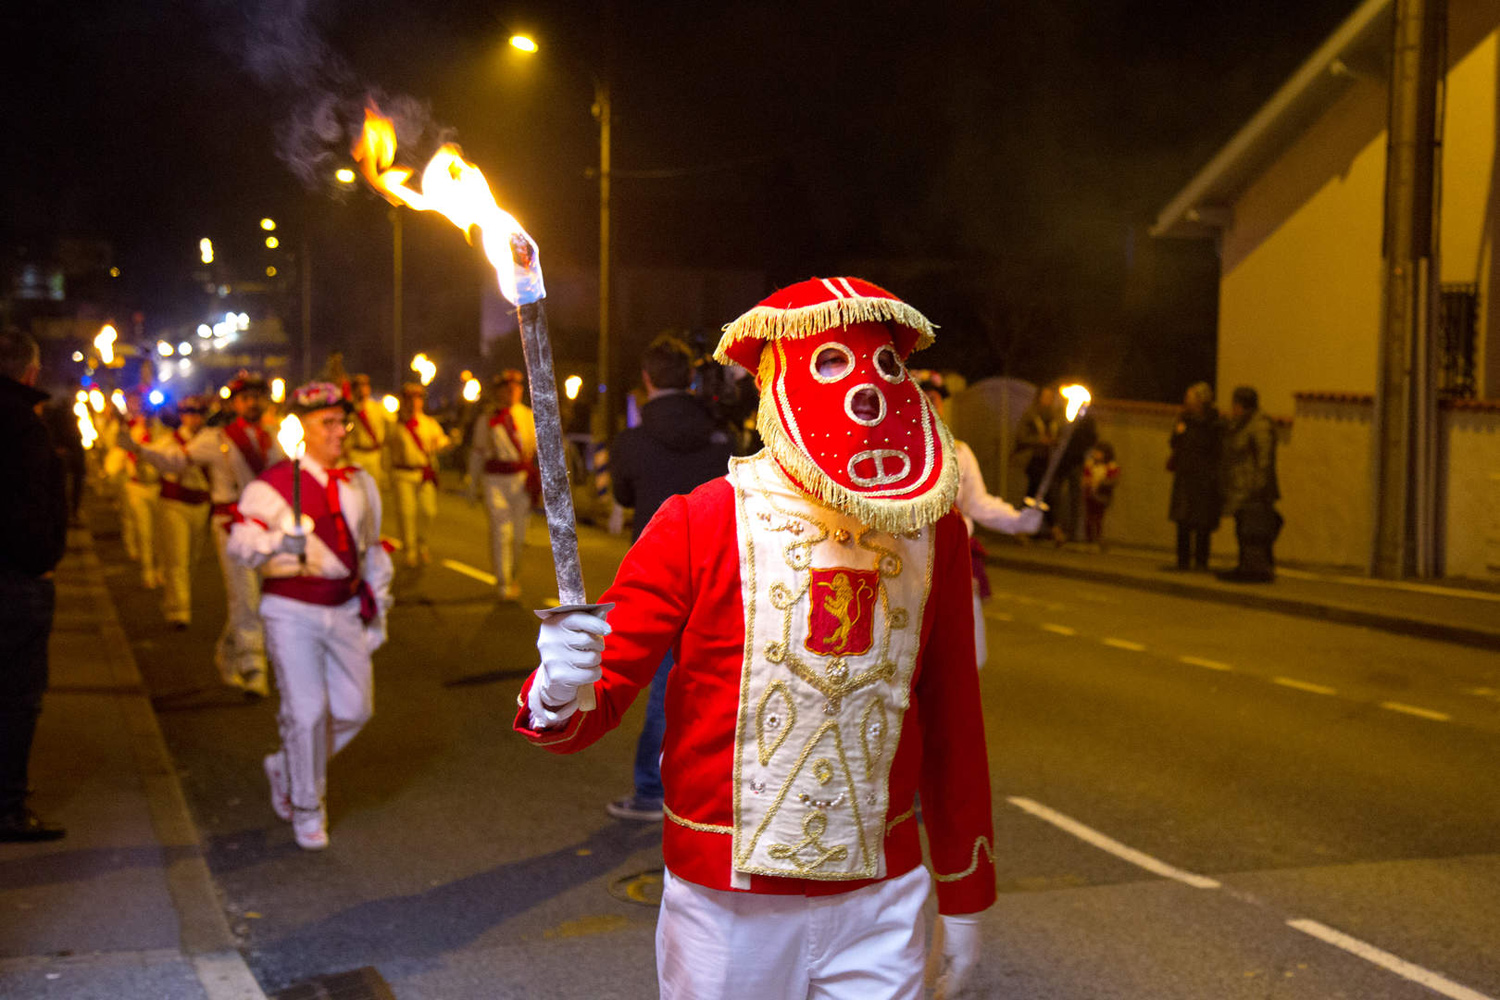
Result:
x=816 y=601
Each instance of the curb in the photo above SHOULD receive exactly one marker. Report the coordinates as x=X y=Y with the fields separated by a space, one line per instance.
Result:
x=206 y=939
x=1330 y=611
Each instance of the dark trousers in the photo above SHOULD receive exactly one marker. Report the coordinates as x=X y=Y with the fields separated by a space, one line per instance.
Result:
x=1256 y=525
x=1192 y=546
x=26 y=606
x=648 y=747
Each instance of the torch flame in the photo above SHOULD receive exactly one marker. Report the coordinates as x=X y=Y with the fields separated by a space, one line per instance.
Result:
x=290 y=435
x=1078 y=400
x=85 y=424
x=118 y=399
x=391 y=403
x=471 y=390
x=451 y=186
x=425 y=368
x=105 y=343
x=96 y=400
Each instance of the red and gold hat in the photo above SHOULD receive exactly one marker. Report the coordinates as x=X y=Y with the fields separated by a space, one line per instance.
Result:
x=838 y=410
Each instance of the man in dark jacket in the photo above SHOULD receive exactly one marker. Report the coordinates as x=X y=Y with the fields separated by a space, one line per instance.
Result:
x=676 y=449
x=1250 y=487
x=33 y=536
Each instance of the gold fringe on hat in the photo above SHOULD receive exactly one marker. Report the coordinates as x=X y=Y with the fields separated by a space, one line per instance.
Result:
x=893 y=516
x=769 y=323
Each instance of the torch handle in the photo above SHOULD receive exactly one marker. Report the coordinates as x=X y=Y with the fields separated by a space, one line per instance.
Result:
x=1056 y=457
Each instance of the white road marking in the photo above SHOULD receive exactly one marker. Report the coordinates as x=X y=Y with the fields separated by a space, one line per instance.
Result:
x=470 y=571
x=1134 y=647
x=1091 y=836
x=1406 y=970
x=1000 y=616
x=1415 y=588
x=1308 y=686
x=1418 y=711
x=1198 y=661
x=1058 y=629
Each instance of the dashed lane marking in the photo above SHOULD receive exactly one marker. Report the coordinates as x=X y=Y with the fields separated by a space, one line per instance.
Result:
x=1198 y=661
x=1000 y=616
x=1089 y=835
x=470 y=571
x=1417 y=710
x=1434 y=981
x=1308 y=686
x=1134 y=647
x=1058 y=629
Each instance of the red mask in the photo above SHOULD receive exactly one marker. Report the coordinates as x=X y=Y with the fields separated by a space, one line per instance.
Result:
x=838 y=410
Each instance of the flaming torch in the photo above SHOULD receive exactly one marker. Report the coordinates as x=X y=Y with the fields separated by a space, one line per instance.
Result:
x=1078 y=404
x=290 y=438
x=457 y=189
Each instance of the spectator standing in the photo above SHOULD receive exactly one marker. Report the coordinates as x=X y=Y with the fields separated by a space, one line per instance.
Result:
x=1100 y=475
x=1250 y=487
x=1036 y=433
x=502 y=468
x=33 y=537
x=67 y=441
x=676 y=448
x=1196 y=443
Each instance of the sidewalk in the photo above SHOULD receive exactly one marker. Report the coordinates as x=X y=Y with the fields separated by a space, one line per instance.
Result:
x=1468 y=616
x=123 y=907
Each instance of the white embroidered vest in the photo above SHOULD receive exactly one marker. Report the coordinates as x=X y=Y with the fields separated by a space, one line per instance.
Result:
x=833 y=614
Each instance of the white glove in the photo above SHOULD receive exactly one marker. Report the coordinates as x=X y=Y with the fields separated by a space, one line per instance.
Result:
x=294 y=543
x=956 y=938
x=571 y=648
x=1028 y=521
x=375 y=634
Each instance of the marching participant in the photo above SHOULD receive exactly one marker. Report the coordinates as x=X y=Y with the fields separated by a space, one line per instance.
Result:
x=233 y=455
x=366 y=444
x=182 y=514
x=412 y=445
x=817 y=602
x=326 y=590
x=502 y=466
x=142 y=489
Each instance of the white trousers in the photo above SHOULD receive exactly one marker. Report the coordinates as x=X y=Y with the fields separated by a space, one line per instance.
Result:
x=717 y=945
x=137 y=524
x=327 y=687
x=416 y=506
x=508 y=505
x=372 y=462
x=181 y=529
x=242 y=644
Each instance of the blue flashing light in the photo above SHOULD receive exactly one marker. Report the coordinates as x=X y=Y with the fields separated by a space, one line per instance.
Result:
x=157 y=397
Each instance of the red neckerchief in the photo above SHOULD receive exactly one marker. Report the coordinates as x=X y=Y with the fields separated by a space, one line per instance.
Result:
x=341 y=525
x=255 y=453
x=504 y=418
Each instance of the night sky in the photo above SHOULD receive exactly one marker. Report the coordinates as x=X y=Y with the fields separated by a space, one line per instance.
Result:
x=1003 y=159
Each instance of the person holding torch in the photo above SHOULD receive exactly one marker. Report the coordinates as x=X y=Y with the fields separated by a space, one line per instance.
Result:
x=311 y=526
x=817 y=603
x=413 y=443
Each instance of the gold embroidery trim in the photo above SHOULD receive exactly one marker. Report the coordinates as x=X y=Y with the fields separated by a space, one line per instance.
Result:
x=989 y=851
x=763 y=719
x=900 y=819
x=700 y=827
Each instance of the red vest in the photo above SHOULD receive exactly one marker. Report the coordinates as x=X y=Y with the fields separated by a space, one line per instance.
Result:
x=333 y=530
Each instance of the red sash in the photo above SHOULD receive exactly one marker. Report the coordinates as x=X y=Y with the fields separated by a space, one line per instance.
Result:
x=500 y=467
x=333 y=530
x=429 y=474
x=255 y=454
x=175 y=490
x=364 y=420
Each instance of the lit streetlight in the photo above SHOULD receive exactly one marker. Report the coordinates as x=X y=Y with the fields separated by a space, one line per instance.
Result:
x=523 y=42
x=164 y=349
x=344 y=176
x=268 y=224
x=272 y=243
x=206 y=250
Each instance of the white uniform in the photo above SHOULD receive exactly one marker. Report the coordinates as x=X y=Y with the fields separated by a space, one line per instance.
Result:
x=366 y=441
x=976 y=504
x=504 y=444
x=182 y=515
x=241 y=651
x=321 y=652
x=138 y=506
x=412 y=447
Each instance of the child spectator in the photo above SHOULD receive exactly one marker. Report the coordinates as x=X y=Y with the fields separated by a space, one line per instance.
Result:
x=1100 y=473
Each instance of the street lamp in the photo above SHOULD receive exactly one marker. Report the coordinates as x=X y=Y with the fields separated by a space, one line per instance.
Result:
x=601 y=112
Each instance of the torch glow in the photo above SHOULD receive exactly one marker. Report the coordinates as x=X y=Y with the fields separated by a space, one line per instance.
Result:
x=1078 y=398
x=571 y=385
x=289 y=436
x=96 y=400
x=425 y=368
x=85 y=424
x=278 y=393
x=118 y=399
x=471 y=390
x=391 y=403
x=451 y=186
x=105 y=343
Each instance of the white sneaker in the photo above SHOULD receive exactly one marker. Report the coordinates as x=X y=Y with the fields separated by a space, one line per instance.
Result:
x=281 y=789
x=310 y=827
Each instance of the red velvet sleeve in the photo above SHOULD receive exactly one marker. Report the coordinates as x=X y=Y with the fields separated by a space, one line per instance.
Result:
x=955 y=779
x=652 y=594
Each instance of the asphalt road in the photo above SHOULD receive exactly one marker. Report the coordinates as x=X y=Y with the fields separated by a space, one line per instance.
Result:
x=1192 y=802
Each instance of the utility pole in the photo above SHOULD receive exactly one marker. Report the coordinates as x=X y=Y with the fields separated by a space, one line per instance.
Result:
x=305 y=266
x=1405 y=417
